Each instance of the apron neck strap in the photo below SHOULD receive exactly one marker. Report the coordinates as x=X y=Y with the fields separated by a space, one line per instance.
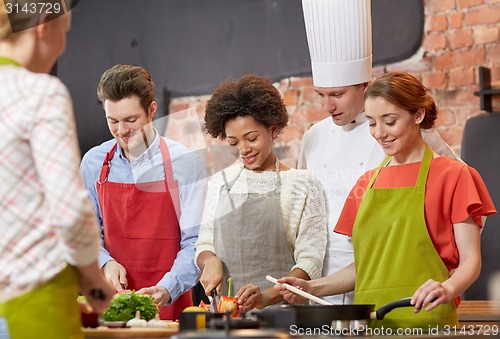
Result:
x=422 y=173
x=167 y=167
x=229 y=185
x=375 y=175
x=8 y=61
x=106 y=165
x=424 y=166
x=278 y=180
x=166 y=159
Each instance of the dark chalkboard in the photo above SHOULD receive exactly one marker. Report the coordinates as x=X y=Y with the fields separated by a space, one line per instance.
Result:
x=191 y=46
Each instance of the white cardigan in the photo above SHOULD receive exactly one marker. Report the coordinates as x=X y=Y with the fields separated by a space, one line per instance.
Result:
x=302 y=205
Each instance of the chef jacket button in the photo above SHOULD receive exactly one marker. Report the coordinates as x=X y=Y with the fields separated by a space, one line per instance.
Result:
x=361 y=163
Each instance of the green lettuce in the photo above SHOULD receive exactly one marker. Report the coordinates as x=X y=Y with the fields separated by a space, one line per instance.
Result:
x=124 y=305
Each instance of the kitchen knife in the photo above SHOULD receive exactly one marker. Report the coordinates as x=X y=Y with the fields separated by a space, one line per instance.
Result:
x=213 y=301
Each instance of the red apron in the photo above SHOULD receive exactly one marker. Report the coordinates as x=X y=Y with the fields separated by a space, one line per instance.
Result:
x=141 y=228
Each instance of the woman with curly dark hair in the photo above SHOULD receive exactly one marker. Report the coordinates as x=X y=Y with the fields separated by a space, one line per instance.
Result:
x=261 y=217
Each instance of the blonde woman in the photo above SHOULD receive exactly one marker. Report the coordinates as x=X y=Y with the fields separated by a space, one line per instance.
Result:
x=47 y=224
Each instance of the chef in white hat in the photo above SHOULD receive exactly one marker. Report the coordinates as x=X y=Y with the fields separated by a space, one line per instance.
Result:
x=338 y=149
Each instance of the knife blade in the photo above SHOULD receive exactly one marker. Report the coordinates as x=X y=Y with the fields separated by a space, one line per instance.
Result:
x=213 y=301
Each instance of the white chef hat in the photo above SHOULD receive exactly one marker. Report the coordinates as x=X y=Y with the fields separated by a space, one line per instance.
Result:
x=339 y=35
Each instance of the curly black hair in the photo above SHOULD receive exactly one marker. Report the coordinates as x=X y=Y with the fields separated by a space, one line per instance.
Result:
x=250 y=95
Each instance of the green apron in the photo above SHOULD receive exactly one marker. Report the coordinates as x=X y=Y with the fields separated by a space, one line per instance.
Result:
x=49 y=311
x=8 y=61
x=394 y=253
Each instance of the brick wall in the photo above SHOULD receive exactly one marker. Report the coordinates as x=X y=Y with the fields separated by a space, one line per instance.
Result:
x=459 y=36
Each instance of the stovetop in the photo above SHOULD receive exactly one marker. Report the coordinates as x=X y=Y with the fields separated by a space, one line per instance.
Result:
x=278 y=324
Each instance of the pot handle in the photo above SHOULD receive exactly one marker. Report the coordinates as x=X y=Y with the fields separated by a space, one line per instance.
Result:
x=382 y=311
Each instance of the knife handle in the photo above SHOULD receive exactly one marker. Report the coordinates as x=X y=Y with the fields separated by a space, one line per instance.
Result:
x=97 y=294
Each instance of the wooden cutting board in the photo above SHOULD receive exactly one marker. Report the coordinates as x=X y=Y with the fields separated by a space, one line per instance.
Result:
x=137 y=332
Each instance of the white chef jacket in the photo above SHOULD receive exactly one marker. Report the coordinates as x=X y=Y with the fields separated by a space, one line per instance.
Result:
x=337 y=156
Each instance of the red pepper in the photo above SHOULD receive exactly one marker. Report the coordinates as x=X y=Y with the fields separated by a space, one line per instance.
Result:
x=229 y=303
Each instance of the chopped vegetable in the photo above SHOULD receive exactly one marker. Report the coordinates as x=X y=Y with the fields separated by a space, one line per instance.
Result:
x=204 y=306
x=229 y=303
x=124 y=306
x=230 y=287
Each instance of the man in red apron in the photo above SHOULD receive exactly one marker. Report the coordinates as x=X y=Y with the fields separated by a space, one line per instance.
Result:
x=148 y=193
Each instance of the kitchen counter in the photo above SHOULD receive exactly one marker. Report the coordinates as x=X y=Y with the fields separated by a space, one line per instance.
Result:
x=479 y=312
x=105 y=332
x=477 y=316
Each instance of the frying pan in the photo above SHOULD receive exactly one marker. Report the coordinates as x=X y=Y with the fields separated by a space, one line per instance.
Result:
x=338 y=316
x=341 y=316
